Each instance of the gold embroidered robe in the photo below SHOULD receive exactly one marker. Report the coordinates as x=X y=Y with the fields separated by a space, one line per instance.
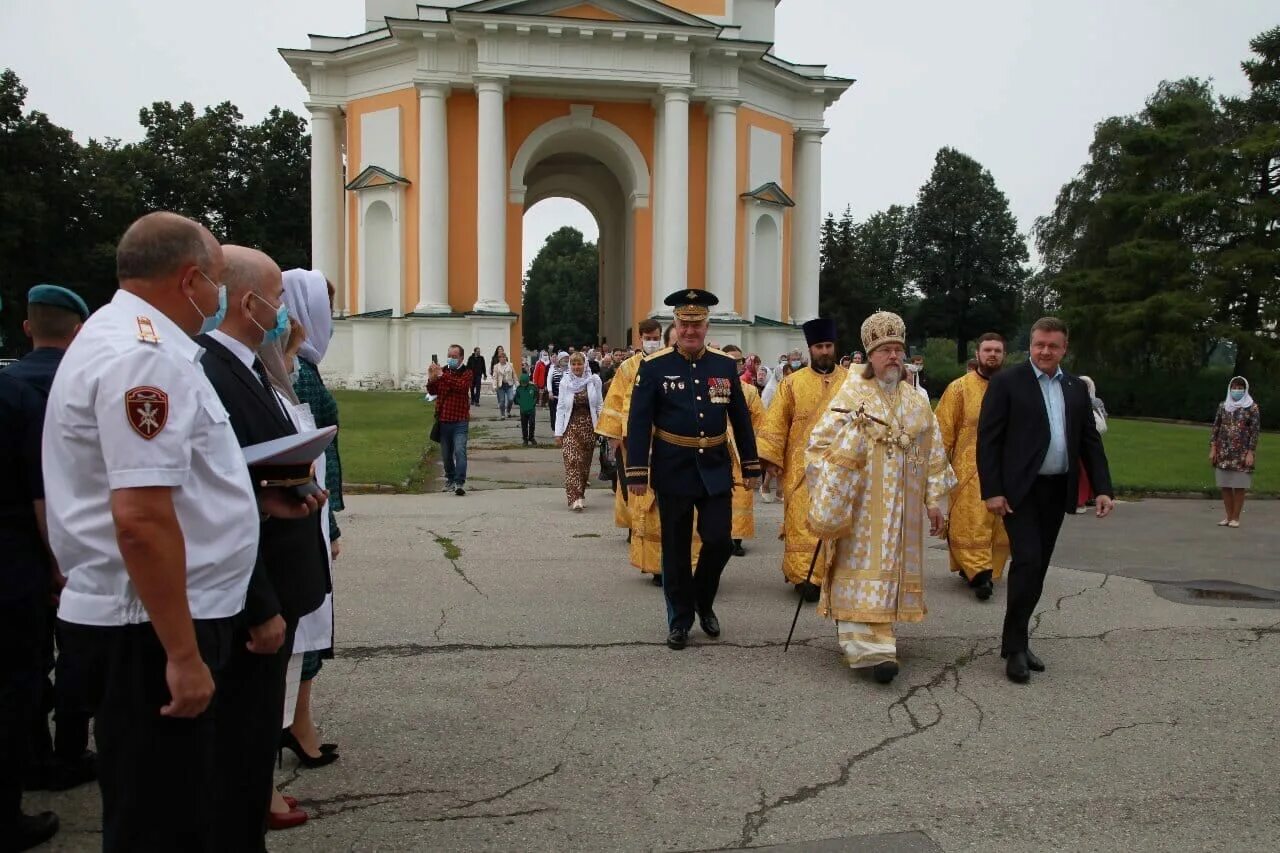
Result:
x=869 y=487
x=976 y=538
x=744 y=515
x=799 y=402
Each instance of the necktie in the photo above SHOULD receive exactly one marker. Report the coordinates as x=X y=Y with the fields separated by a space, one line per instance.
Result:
x=261 y=369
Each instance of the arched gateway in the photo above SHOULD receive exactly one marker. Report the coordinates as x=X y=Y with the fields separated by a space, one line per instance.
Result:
x=696 y=149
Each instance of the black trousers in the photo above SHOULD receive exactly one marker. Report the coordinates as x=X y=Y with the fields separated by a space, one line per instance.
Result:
x=475 y=390
x=528 y=420
x=685 y=592
x=157 y=774
x=22 y=667
x=61 y=696
x=250 y=709
x=1033 y=531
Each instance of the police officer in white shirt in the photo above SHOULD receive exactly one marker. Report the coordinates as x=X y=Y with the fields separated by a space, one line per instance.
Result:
x=154 y=521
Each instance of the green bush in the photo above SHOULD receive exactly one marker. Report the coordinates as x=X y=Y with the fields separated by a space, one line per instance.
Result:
x=1186 y=398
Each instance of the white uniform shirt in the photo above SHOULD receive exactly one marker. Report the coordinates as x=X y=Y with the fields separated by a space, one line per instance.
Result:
x=128 y=413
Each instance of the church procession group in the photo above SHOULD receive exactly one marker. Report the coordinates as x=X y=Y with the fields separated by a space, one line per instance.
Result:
x=866 y=469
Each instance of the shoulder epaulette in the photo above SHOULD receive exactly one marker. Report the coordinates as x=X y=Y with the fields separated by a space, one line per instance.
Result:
x=660 y=353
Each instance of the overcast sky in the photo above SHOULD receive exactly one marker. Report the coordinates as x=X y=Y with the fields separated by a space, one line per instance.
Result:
x=1017 y=85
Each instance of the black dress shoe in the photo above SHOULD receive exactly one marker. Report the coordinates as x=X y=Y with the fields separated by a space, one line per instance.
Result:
x=1017 y=668
x=885 y=672
x=657 y=579
x=1033 y=662
x=677 y=639
x=738 y=550
x=983 y=589
x=72 y=774
x=809 y=591
x=710 y=624
x=29 y=831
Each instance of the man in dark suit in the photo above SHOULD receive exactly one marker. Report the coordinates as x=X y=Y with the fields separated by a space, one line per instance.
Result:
x=1035 y=431
x=683 y=401
x=290 y=578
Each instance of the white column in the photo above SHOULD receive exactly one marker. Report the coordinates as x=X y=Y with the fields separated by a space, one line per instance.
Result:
x=326 y=193
x=807 y=225
x=657 y=189
x=433 y=200
x=722 y=201
x=675 y=194
x=491 y=197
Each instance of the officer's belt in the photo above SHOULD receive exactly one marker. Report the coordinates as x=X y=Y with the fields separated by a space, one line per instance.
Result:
x=690 y=441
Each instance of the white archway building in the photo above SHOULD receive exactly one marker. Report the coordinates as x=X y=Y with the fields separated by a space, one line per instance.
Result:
x=697 y=150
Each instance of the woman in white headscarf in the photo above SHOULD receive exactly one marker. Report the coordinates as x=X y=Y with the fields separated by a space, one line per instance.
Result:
x=576 y=416
x=1232 y=446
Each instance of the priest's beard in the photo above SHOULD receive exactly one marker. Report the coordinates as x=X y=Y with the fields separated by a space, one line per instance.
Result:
x=892 y=376
x=823 y=363
x=989 y=370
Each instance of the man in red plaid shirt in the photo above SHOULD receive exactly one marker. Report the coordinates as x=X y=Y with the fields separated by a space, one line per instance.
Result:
x=452 y=387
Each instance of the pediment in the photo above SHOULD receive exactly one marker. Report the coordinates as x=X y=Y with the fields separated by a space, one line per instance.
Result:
x=770 y=193
x=376 y=176
x=628 y=11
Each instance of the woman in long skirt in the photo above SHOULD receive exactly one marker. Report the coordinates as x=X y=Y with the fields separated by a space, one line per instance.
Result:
x=577 y=411
x=1232 y=447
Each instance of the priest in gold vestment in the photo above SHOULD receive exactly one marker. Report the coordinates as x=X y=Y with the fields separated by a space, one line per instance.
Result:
x=800 y=400
x=877 y=473
x=976 y=539
x=744 y=503
x=638 y=514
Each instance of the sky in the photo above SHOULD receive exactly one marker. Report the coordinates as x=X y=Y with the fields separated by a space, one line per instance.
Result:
x=1018 y=86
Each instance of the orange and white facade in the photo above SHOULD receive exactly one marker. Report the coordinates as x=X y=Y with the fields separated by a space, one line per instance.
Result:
x=696 y=149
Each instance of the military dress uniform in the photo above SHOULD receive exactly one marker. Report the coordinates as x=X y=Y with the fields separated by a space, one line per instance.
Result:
x=131 y=408
x=682 y=406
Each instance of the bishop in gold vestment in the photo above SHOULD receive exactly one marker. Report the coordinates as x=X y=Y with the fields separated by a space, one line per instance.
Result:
x=976 y=539
x=800 y=400
x=876 y=468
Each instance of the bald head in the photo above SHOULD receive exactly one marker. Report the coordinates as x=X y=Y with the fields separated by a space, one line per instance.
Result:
x=255 y=292
x=160 y=245
x=248 y=271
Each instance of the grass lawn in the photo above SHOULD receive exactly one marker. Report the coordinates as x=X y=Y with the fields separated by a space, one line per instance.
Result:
x=384 y=438
x=1157 y=457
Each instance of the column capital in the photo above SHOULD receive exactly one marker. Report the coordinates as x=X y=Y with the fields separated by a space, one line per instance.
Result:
x=491 y=84
x=811 y=134
x=433 y=88
x=322 y=110
x=675 y=92
x=722 y=106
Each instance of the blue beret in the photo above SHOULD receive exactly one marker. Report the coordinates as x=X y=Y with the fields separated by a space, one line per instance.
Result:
x=58 y=297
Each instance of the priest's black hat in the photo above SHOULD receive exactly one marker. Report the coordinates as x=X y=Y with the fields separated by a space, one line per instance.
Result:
x=820 y=331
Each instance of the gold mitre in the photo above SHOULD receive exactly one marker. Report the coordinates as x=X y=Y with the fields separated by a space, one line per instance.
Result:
x=883 y=327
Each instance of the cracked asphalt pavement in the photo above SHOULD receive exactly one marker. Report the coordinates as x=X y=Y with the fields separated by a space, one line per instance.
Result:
x=518 y=696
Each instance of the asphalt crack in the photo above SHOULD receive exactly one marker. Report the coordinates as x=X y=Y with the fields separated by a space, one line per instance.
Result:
x=1057 y=607
x=755 y=820
x=403 y=650
x=453 y=553
x=486 y=816
x=1170 y=723
x=443 y=618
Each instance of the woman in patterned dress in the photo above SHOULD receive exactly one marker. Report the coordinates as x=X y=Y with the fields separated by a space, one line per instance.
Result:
x=577 y=411
x=1232 y=446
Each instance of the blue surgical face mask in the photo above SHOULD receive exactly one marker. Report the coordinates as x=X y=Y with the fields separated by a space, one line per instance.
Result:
x=281 y=327
x=1237 y=394
x=452 y=362
x=796 y=364
x=215 y=320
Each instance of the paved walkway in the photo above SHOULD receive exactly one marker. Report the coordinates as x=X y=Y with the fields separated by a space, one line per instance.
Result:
x=502 y=685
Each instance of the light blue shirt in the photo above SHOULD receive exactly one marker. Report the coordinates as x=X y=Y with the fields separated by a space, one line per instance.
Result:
x=1055 y=405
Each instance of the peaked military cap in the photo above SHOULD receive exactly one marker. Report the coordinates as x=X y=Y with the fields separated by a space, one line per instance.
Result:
x=691 y=305
x=58 y=297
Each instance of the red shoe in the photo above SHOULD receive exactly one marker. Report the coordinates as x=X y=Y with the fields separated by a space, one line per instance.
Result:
x=288 y=820
x=291 y=802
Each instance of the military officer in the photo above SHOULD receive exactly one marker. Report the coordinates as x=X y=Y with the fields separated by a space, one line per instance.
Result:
x=684 y=400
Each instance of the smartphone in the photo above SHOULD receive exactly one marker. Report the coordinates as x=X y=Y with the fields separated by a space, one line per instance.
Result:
x=435 y=359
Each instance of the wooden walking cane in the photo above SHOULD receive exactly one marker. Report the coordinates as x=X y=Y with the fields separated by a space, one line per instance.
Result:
x=800 y=603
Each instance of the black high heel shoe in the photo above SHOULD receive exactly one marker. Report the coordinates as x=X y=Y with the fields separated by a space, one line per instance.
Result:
x=288 y=741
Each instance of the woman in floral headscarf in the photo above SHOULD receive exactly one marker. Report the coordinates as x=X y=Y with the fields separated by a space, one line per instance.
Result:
x=1232 y=446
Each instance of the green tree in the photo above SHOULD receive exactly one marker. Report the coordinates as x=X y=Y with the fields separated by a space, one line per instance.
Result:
x=561 y=294
x=966 y=253
x=1130 y=244
x=864 y=269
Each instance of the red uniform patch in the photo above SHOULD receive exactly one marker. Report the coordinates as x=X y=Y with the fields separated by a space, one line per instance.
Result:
x=147 y=409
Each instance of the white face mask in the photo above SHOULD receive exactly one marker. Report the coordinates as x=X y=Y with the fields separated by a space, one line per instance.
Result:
x=650 y=347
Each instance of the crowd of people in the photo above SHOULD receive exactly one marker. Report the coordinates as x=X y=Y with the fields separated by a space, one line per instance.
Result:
x=189 y=596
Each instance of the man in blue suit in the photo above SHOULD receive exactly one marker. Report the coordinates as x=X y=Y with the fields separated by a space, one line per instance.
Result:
x=685 y=398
